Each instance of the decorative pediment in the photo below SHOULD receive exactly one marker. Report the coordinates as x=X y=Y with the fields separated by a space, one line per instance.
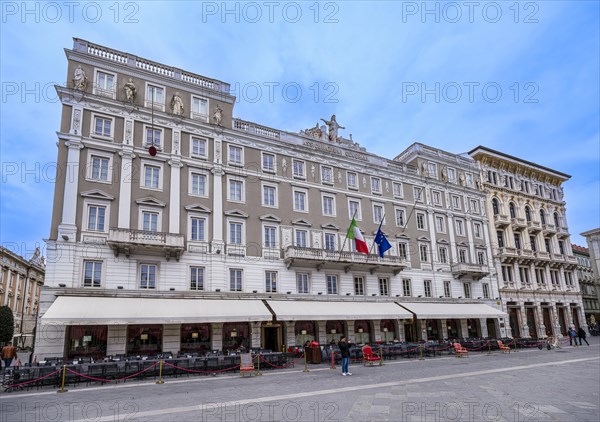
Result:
x=374 y=233
x=444 y=241
x=97 y=194
x=198 y=208
x=301 y=222
x=462 y=244
x=329 y=226
x=270 y=217
x=149 y=200
x=423 y=238
x=480 y=246
x=236 y=213
x=402 y=236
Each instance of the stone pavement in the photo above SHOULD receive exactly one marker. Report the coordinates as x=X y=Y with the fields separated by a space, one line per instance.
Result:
x=531 y=385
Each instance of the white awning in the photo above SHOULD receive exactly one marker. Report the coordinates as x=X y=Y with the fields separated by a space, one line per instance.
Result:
x=288 y=310
x=74 y=310
x=453 y=310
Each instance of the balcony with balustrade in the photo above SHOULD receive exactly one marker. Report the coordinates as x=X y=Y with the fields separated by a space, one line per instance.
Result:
x=501 y=220
x=534 y=227
x=128 y=242
x=295 y=256
x=507 y=254
x=475 y=272
x=518 y=223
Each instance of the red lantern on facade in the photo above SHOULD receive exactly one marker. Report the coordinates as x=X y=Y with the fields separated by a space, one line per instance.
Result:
x=152 y=150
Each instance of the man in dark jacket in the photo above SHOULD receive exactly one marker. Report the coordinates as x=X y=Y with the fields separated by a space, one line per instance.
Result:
x=581 y=334
x=345 y=351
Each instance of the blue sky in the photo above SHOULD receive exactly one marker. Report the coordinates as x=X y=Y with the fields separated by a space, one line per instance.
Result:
x=522 y=78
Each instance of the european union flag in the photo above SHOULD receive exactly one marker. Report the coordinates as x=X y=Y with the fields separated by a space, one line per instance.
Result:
x=382 y=243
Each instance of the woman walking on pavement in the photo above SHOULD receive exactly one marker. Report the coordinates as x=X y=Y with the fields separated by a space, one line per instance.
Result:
x=581 y=334
x=345 y=351
x=572 y=337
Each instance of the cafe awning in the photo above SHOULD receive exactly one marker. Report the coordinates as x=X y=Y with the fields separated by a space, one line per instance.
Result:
x=452 y=310
x=287 y=310
x=75 y=310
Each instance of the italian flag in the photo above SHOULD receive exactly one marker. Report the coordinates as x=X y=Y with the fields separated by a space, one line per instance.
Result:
x=359 y=241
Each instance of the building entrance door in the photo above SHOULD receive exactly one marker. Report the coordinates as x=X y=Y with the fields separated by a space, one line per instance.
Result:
x=409 y=332
x=271 y=338
x=547 y=321
x=531 y=323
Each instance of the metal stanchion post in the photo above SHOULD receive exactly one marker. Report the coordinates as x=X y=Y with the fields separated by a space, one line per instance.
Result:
x=305 y=365
x=160 y=365
x=381 y=357
x=62 y=384
x=258 y=371
x=489 y=348
x=421 y=352
x=516 y=345
x=332 y=353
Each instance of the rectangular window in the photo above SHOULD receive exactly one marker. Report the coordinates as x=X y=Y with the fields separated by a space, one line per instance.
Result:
x=352 y=180
x=399 y=217
x=150 y=221
x=462 y=256
x=332 y=284
x=155 y=96
x=235 y=280
x=403 y=250
x=420 y=221
x=236 y=190
x=427 y=288
x=477 y=229
x=517 y=238
x=199 y=108
x=198 y=184
x=298 y=169
x=439 y=224
x=384 y=286
x=500 y=237
x=302 y=283
x=151 y=177
x=507 y=274
x=196 y=278
x=148 y=276
x=486 y=290
x=460 y=227
x=469 y=178
x=235 y=155
x=96 y=215
x=153 y=137
x=354 y=210
x=359 y=286
x=105 y=84
x=467 y=289
x=443 y=254
x=423 y=253
x=269 y=196
x=555 y=278
x=268 y=162
x=92 y=273
x=481 y=258
x=474 y=206
x=406 y=287
x=432 y=170
x=447 y=290
x=329 y=206
x=436 y=197
x=103 y=126
x=524 y=273
x=198 y=226
x=561 y=247
x=397 y=190
x=326 y=175
x=100 y=168
x=418 y=194
x=533 y=244
x=235 y=233
x=539 y=276
x=451 y=175
x=456 y=202
x=301 y=238
x=375 y=185
x=270 y=237
x=271 y=281
x=547 y=244
x=569 y=278
x=329 y=242
x=377 y=214
x=199 y=148
x=300 y=201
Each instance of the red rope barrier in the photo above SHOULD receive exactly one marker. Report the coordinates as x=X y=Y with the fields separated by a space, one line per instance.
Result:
x=35 y=380
x=113 y=380
x=199 y=370
x=478 y=348
x=281 y=367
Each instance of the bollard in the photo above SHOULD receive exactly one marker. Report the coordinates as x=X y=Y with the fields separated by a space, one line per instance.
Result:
x=421 y=352
x=305 y=365
x=516 y=345
x=62 y=385
x=332 y=358
x=380 y=357
x=160 y=380
x=489 y=349
x=258 y=371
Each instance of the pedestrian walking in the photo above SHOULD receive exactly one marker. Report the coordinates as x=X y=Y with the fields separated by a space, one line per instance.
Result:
x=9 y=352
x=581 y=334
x=345 y=351
x=572 y=337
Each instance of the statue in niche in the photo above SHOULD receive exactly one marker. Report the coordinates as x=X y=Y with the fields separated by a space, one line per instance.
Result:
x=130 y=91
x=177 y=105
x=424 y=169
x=444 y=174
x=218 y=115
x=79 y=79
x=462 y=180
x=334 y=127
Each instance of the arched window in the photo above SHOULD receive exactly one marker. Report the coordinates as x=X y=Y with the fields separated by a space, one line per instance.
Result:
x=513 y=211
x=543 y=216
x=495 y=206
x=528 y=214
x=556 y=220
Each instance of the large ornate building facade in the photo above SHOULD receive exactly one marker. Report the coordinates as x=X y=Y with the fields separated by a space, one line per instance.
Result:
x=591 y=293
x=535 y=263
x=21 y=281
x=178 y=227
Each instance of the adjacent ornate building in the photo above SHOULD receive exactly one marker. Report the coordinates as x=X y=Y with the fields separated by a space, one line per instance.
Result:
x=178 y=227
x=535 y=263
x=21 y=281
x=592 y=287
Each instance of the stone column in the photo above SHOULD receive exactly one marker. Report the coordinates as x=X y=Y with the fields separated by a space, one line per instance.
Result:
x=116 y=341
x=321 y=334
x=421 y=329
x=350 y=333
x=216 y=336
x=125 y=181
x=464 y=328
x=483 y=327
x=444 y=329
x=171 y=338
x=401 y=334
x=376 y=330
x=541 y=327
x=524 y=322
x=67 y=228
x=290 y=339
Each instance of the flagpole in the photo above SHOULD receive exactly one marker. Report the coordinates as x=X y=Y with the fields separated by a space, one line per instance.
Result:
x=373 y=245
x=346 y=238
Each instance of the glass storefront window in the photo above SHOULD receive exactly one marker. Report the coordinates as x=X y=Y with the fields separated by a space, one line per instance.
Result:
x=87 y=341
